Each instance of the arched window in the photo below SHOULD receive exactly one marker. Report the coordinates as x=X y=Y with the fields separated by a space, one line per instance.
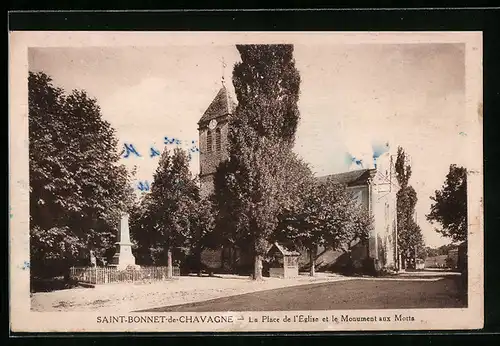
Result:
x=218 y=146
x=209 y=141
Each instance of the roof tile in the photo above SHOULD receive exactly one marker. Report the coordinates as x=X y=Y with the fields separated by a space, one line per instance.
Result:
x=221 y=105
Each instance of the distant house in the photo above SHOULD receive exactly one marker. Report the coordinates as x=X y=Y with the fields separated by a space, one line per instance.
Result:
x=436 y=261
x=374 y=188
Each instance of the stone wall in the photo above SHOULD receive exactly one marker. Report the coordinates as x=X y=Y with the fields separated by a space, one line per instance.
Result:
x=209 y=160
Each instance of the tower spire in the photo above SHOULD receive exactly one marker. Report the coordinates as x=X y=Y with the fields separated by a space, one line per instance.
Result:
x=223 y=72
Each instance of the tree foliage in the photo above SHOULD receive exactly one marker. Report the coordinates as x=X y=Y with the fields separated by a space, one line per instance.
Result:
x=442 y=250
x=164 y=218
x=78 y=191
x=415 y=242
x=403 y=169
x=267 y=86
x=202 y=233
x=261 y=136
x=357 y=226
x=450 y=205
x=325 y=214
x=410 y=238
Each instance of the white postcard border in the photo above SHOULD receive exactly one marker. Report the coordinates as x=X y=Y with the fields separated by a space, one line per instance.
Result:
x=25 y=320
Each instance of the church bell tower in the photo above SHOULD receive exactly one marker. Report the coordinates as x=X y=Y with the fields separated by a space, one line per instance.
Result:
x=213 y=131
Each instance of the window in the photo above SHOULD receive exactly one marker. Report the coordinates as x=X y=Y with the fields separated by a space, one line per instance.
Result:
x=209 y=141
x=218 y=147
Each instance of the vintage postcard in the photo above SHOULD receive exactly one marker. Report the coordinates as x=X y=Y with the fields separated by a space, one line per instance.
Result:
x=237 y=182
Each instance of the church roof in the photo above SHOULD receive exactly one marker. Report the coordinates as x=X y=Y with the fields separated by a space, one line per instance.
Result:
x=284 y=250
x=350 y=178
x=222 y=104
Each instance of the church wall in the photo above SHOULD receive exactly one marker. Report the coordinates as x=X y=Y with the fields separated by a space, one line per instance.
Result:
x=381 y=200
x=209 y=161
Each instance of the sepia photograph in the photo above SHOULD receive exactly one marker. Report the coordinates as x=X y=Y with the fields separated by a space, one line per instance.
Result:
x=250 y=183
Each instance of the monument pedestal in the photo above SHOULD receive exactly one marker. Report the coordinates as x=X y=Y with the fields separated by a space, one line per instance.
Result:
x=123 y=258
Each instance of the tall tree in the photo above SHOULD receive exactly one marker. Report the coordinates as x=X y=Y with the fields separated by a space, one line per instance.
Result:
x=415 y=241
x=164 y=221
x=261 y=136
x=267 y=86
x=77 y=188
x=146 y=249
x=409 y=233
x=450 y=205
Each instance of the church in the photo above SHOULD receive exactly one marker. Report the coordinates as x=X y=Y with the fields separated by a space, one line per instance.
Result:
x=375 y=188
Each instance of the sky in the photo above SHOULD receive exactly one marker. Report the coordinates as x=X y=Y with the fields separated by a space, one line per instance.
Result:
x=351 y=96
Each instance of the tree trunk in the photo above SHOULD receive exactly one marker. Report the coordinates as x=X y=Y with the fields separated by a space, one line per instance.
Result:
x=169 y=264
x=350 y=264
x=198 y=259
x=257 y=271
x=312 y=260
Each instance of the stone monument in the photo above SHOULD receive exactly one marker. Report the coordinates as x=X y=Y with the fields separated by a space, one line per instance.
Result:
x=123 y=258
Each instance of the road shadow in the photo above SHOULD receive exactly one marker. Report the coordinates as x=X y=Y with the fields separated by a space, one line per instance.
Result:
x=340 y=295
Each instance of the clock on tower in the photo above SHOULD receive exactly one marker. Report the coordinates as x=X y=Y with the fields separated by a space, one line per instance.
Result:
x=212 y=124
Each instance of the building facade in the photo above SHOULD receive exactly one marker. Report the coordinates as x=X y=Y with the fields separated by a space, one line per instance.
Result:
x=374 y=188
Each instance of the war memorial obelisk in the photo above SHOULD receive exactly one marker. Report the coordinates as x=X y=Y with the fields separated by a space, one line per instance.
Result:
x=123 y=258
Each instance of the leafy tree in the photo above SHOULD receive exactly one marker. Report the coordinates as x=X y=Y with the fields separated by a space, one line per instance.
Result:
x=409 y=233
x=267 y=86
x=78 y=191
x=355 y=228
x=414 y=238
x=262 y=193
x=163 y=222
x=202 y=224
x=403 y=169
x=430 y=252
x=145 y=247
x=327 y=214
x=261 y=137
x=229 y=208
x=442 y=250
x=303 y=224
x=450 y=205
